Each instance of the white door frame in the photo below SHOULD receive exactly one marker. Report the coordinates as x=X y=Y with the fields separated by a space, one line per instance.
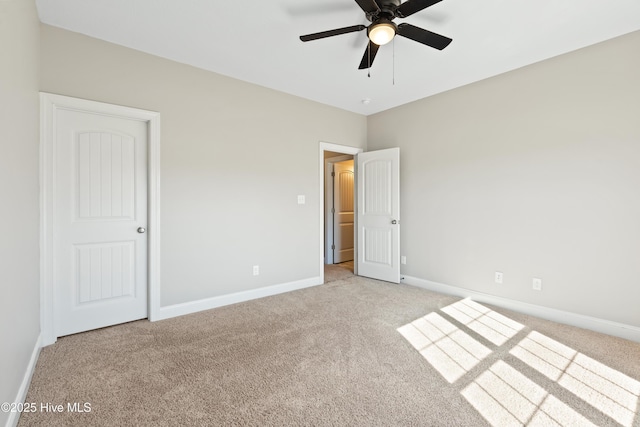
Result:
x=343 y=149
x=49 y=105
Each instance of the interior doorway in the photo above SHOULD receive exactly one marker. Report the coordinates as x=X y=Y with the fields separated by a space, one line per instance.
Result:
x=377 y=203
x=339 y=191
x=339 y=216
x=338 y=250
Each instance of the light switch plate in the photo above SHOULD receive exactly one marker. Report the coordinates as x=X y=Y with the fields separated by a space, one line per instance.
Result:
x=301 y=199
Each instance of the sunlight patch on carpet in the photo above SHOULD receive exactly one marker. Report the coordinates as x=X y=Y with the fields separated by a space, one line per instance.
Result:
x=491 y=325
x=608 y=390
x=449 y=350
x=506 y=397
x=502 y=394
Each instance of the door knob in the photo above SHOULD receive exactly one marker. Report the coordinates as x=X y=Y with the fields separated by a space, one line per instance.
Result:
x=393 y=221
x=141 y=230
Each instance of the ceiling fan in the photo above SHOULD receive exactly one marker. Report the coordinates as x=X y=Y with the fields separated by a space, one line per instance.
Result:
x=382 y=30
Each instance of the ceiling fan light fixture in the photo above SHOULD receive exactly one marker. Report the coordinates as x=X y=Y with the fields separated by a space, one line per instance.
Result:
x=382 y=33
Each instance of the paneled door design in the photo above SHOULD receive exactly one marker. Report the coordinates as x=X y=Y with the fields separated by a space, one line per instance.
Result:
x=100 y=220
x=343 y=211
x=379 y=214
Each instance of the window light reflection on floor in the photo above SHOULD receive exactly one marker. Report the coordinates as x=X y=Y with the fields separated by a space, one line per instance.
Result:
x=610 y=391
x=493 y=326
x=449 y=350
x=506 y=397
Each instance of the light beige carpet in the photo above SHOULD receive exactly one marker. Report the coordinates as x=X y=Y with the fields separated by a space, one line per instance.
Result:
x=354 y=352
x=333 y=272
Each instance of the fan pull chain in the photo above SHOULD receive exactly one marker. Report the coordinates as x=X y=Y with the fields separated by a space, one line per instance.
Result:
x=369 y=59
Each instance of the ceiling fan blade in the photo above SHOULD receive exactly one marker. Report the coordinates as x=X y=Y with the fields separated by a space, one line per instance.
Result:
x=368 y=6
x=420 y=35
x=369 y=55
x=412 y=6
x=330 y=33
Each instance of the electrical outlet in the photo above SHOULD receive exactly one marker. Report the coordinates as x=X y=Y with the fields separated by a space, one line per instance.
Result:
x=536 y=284
x=256 y=270
x=498 y=277
x=403 y=259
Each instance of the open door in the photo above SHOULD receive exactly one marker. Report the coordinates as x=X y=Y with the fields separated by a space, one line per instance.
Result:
x=378 y=218
x=343 y=211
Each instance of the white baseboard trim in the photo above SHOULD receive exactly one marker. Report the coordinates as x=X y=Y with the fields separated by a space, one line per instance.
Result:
x=209 y=303
x=12 y=421
x=568 y=318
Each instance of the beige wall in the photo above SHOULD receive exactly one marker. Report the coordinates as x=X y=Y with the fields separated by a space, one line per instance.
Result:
x=534 y=173
x=19 y=223
x=234 y=158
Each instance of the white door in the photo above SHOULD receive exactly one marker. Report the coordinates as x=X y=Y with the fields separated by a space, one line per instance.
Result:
x=379 y=214
x=100 y=217
x=343 y=211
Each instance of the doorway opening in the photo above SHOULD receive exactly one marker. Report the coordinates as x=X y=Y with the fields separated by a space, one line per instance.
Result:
x=339 y=216
x=338 y=204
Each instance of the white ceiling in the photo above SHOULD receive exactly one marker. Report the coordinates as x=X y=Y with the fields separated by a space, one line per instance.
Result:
x=257 y=41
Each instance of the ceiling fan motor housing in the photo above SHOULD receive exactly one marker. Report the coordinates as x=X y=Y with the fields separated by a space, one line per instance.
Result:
x=387 y=10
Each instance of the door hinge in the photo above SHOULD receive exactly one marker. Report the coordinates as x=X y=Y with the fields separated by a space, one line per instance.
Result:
x=333 y=174
x=333 y=246
x=333 y=210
